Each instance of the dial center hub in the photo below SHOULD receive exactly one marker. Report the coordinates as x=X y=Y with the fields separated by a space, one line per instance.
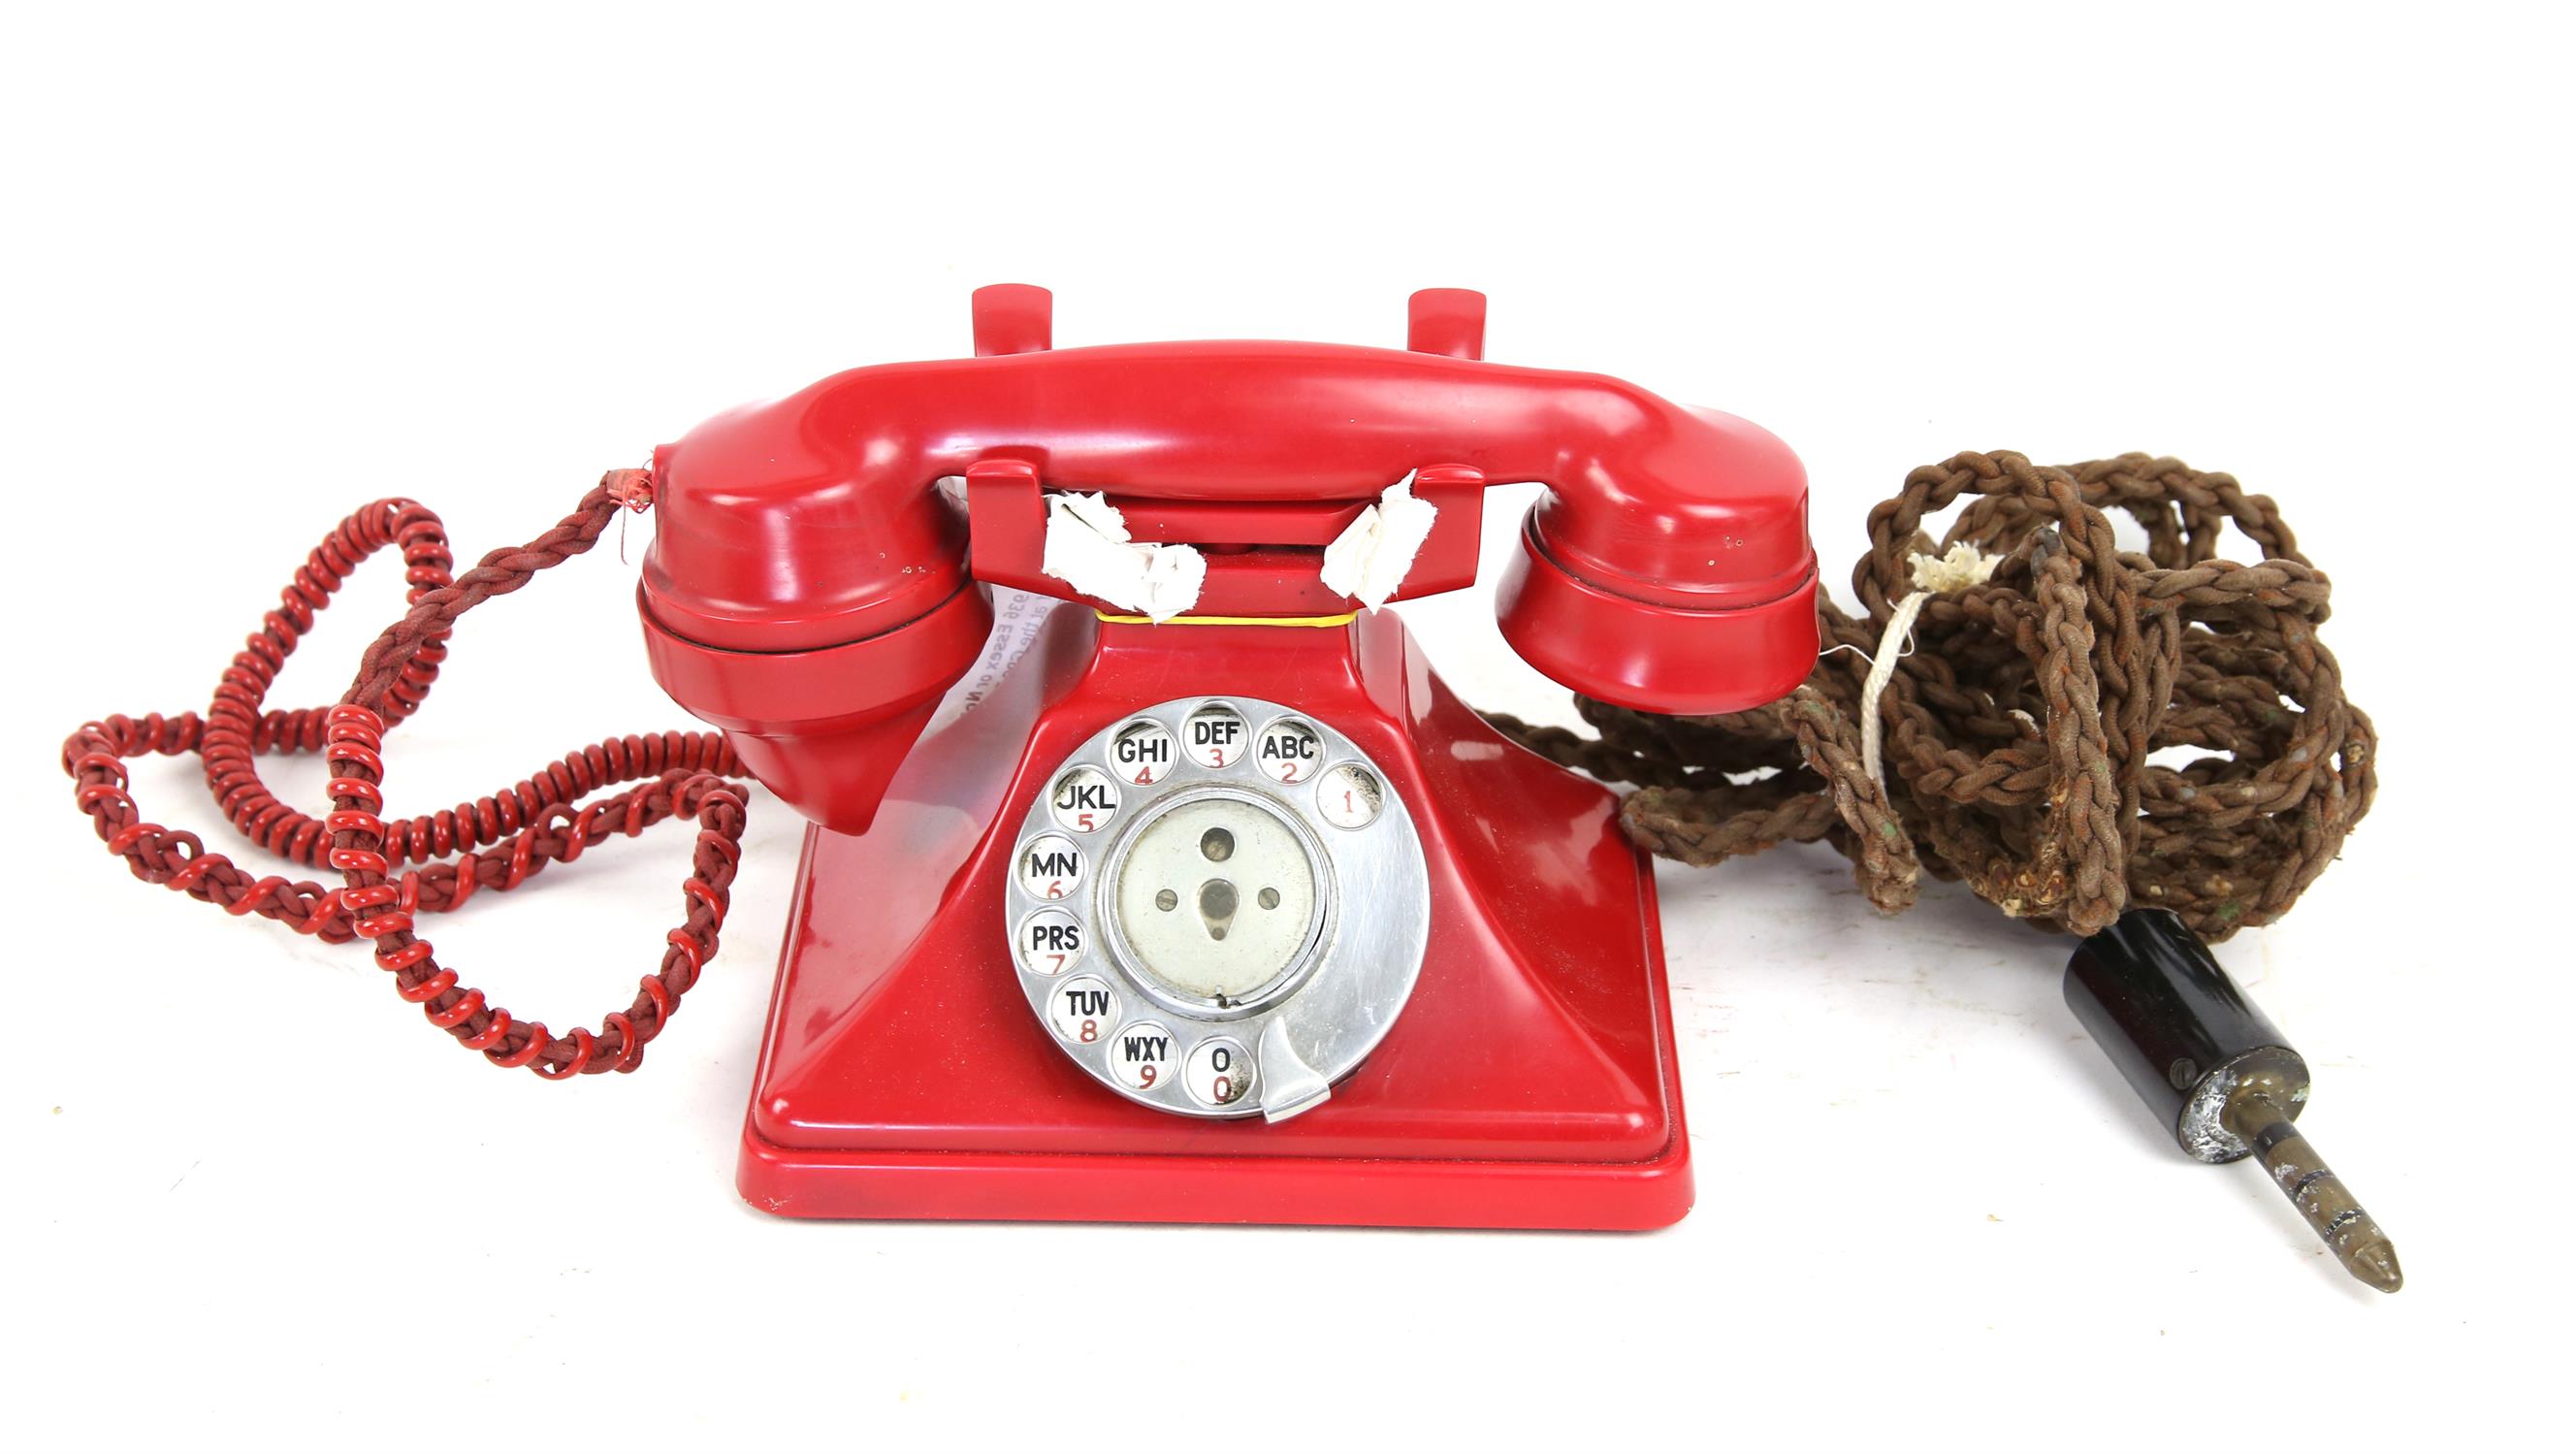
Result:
x=1217 y=897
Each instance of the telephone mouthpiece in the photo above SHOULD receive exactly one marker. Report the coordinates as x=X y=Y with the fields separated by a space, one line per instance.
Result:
x=2215 y=1072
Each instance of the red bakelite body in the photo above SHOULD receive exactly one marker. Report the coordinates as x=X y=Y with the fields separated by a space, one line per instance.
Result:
x=814 y=590
x=1529 y=1082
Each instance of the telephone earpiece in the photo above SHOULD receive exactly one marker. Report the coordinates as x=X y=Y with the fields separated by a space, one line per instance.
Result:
x=811 y=589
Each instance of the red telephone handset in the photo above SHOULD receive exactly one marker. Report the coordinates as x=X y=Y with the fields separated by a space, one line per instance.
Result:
x=810 y=590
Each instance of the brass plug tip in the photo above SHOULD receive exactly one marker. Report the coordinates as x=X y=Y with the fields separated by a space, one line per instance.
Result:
x=2260 y=1113
x=2376 y=1265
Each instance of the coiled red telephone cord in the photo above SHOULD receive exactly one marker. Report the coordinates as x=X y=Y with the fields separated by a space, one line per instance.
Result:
x=529 y=825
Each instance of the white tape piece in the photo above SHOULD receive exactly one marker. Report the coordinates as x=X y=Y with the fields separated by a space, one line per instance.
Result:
x=1087 y=548
x=1367 y=561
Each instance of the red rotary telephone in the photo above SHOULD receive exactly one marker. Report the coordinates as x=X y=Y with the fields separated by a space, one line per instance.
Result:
x=1237 y=915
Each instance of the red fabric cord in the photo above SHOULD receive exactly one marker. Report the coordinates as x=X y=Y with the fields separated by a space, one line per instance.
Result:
x=492 y=843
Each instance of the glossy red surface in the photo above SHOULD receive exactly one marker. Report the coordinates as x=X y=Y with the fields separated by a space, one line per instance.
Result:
x=824 y=729
x=1529 y=1082
x=1013 y=318
x=1447 y=321
x=1666 y=569
x=1623 y=648
x=812 y=520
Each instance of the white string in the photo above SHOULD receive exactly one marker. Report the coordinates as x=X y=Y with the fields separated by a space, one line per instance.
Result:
x=1864 y=656
x=1958 y=569
x=1882 y=670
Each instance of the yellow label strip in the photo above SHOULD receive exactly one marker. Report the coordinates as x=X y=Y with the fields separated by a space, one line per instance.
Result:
x=1345 y=619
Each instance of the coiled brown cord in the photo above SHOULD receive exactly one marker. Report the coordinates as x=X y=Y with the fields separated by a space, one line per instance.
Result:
x=2021 y=731
x=529 y=825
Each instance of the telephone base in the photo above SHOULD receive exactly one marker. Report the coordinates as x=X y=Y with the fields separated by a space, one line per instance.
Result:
x=1530 y=1082
x=1195 y=1188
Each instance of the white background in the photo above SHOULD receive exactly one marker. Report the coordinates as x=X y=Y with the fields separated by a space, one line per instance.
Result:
x=264 y=268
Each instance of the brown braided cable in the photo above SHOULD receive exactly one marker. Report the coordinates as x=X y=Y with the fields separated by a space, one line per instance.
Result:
x=530 y=825
x=2022 y=729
